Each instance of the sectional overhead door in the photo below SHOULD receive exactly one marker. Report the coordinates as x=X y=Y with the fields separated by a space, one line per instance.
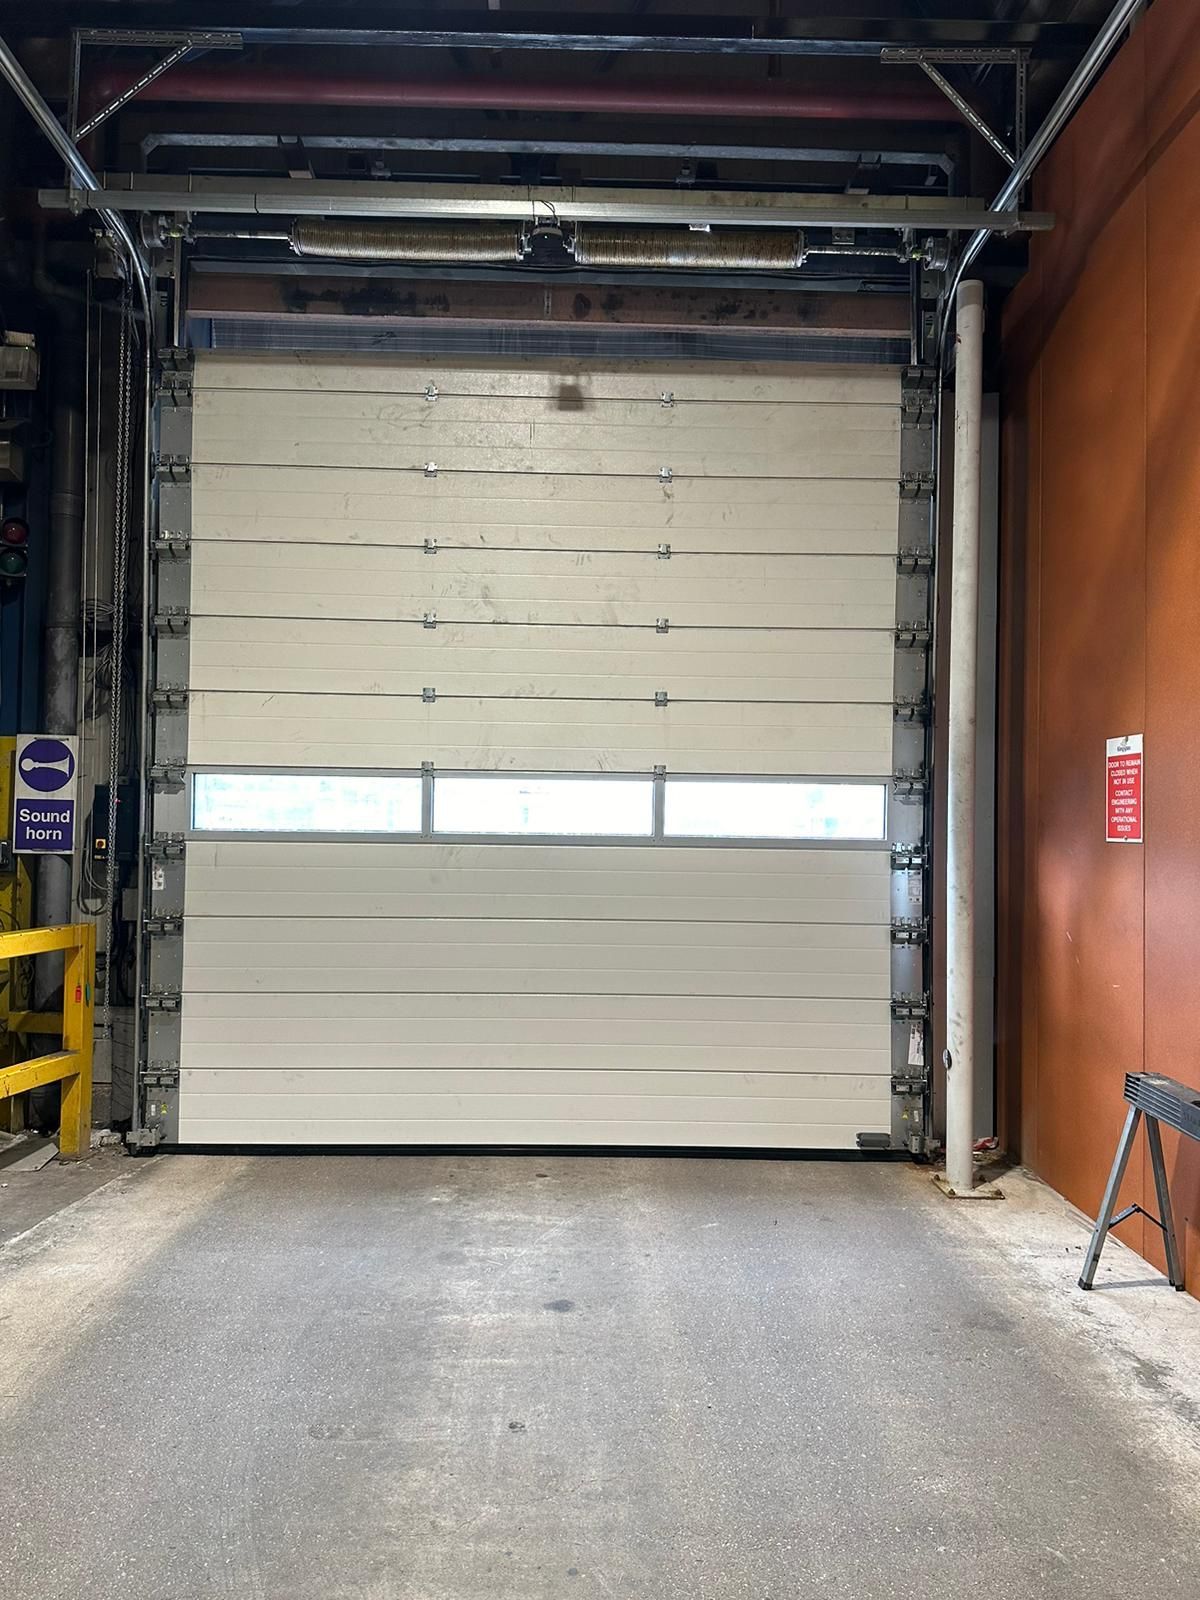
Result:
x=529 y=773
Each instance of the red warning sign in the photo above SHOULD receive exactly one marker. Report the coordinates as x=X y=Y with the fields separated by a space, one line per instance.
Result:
x=1123 y=789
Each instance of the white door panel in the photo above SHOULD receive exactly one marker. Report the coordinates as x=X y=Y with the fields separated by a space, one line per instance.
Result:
x=498 y=568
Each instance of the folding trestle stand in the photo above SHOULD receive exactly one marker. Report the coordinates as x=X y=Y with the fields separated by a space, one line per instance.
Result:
x=1159 y=1100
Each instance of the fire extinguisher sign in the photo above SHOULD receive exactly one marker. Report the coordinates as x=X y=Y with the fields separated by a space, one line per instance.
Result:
x=1123 y=789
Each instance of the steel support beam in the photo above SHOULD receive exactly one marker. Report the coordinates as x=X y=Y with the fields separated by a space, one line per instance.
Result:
x=700 y=35
x=292 y=143
x=349 y=198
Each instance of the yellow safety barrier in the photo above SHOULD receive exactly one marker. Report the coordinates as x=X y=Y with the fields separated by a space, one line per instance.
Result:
x=72 y=1065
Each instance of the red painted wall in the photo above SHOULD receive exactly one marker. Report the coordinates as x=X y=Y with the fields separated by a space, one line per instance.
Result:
x=1099 y=945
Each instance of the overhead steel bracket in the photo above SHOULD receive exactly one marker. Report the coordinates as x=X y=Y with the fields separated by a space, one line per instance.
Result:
x=181 y=45
x=928 y=61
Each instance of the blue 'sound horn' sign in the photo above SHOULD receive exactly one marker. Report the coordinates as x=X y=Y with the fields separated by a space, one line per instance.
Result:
x=47 y=765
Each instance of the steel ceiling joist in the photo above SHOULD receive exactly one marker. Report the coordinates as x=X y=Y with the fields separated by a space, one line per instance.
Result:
x=686 y=208
x=510 y=30
x=554 y=147
x=173 y=57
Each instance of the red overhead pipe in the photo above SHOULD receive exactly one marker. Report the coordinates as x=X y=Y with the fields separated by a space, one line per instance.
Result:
x=287 y=86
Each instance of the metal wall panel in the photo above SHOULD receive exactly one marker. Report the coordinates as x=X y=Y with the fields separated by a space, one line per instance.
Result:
x=502 y=568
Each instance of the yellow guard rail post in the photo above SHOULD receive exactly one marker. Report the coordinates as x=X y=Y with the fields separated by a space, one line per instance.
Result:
x=72 y=1065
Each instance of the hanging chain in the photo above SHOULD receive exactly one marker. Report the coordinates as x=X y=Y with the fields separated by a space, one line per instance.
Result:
x=117 y=658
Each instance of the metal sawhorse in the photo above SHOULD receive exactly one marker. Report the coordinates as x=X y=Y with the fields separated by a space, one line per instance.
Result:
x=1158 y=1099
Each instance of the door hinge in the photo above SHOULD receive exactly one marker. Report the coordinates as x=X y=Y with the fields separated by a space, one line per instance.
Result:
x=176 y=467
x=908 y=785
x=163 y=927
x=169 y=697
x=667 y=399
x=664 y=552
x=175 y=388
x=428 y=696
x=918 y=397
x=915 y=485
x=663 y=625
x=175 y=369
x=166 y=847
x=161 y=1075
x=172 y=546
x=911 y=708
x=431 y=547
x=165 y=776
x=162 y=1000
x=172 y=619
x=910 y=1007
x=909 y=1083
x=909 y=930
x=431 y=391
x=912 y=636
x=431 y=470
x=907 y=857
x=914 y=559
x=665 y=475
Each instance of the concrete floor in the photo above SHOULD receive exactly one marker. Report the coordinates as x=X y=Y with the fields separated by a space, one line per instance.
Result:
x=516 y=1378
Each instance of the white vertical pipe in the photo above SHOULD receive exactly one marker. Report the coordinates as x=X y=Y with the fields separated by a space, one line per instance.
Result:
x=960 y=802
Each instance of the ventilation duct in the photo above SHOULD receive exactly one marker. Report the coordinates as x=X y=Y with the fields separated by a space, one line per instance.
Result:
x=771 y=250
x=408 y=241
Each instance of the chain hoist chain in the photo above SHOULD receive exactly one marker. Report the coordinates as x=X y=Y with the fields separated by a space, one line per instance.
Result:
x=116 y=695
